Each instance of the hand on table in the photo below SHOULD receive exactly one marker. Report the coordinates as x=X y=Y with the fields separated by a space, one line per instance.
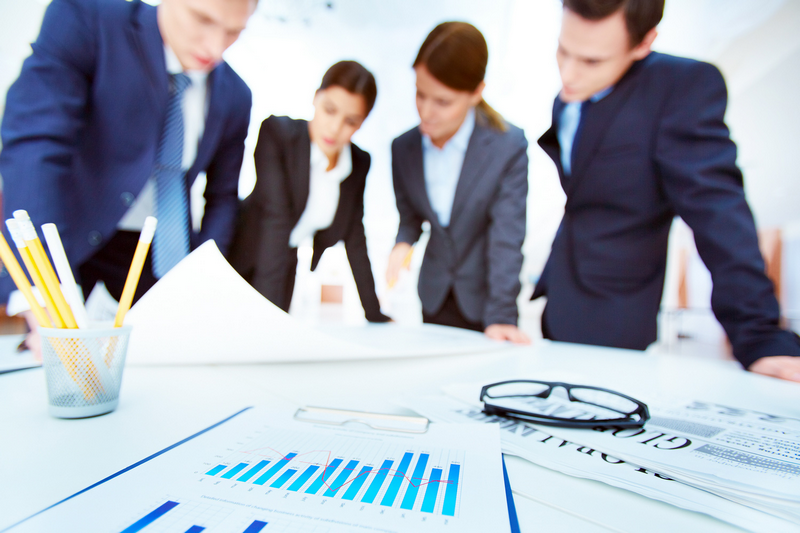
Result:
x=778 y=366
x=33 y=341
x=397 y=261
x=506 y=332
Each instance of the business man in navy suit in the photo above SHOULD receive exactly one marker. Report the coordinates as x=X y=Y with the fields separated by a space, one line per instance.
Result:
x=639 y=138
x=85 y=124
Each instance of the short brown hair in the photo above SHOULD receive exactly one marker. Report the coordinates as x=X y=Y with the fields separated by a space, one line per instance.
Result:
x=455 y=53
x=353 y=78
x=641 y=16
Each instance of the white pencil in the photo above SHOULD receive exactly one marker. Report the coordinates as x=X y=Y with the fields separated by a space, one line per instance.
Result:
x=68 y=284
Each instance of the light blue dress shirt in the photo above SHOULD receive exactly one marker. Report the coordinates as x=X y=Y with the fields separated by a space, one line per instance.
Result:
x=442 y=168
x=568 y=127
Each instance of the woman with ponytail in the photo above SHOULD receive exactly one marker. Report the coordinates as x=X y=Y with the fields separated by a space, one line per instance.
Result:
x=465 y=170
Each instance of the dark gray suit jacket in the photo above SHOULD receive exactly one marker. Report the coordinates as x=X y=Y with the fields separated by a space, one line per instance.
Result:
x=479 y=255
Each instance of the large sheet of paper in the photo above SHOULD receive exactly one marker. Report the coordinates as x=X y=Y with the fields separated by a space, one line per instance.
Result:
x=539 y=445
x=744 y=456
x=263 y=471
x=203 y=312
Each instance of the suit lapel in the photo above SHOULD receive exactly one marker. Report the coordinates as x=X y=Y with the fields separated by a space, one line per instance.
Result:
x=149 y=44
x=301 y=173
x=475 y=161
x=415 y=170
x=597 y=118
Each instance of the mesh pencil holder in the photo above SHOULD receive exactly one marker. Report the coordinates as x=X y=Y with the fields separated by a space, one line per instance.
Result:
x=83 y=368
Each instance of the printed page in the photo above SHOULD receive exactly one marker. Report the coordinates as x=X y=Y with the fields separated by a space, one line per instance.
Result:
x=538 y=445
x=261 y=471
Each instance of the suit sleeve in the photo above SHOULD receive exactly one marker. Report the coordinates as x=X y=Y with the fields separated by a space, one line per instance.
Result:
x=506 y=235
x=274 y=224
x=45 y=110
x=222 y=175
x=410 y=222
x=355 y=244
x=697 y=161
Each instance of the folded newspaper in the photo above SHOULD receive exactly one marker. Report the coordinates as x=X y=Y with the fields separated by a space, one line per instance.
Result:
x=740 y=466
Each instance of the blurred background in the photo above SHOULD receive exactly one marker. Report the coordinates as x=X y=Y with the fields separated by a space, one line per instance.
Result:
x=289 y=44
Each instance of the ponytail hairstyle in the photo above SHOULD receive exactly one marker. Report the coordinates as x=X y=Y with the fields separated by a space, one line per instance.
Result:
x=353 y=78
x=455 y=53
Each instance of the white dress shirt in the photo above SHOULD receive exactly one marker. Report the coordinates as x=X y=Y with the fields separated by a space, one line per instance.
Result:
x=442 y=168
x=323 y=193
x=195 y=108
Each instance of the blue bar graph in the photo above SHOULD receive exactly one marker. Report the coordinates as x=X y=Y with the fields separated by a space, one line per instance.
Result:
x=416 y=481
x=216 y=470
x=355 y=485
x=250 y=473
x=195 y=529
x=299 y=482
x=325 y=475
x=255 y=527
x=283 y=479
x=235 y=470
x=375 y=486
x=341 y=479
x=429 y=502
x=397 y=480
x=450 y=493
x=274 y=470
x=151 y=517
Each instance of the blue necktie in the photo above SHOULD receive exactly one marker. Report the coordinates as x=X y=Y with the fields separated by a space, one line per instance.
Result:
x=171 y=241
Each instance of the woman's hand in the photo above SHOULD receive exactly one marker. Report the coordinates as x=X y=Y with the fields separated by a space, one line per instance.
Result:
x=506 y=332
x=397 y=261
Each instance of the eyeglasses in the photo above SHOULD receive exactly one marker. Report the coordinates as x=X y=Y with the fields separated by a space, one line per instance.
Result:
x=581 y=407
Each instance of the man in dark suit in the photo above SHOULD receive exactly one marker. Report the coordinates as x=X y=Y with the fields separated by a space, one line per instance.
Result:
x=117 y=110
x=639 y=138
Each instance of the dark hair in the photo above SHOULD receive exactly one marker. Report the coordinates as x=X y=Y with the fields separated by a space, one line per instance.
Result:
x=641 y=16
x=353 y=78
x=455 y=53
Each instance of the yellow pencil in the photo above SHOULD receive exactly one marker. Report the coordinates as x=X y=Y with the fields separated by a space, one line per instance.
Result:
x=25 y=253
x=22 y=283
x=45 y=268
x=139 y=256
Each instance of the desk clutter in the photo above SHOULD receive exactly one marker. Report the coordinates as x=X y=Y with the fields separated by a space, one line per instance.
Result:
x=738 y=465
x=262 y=470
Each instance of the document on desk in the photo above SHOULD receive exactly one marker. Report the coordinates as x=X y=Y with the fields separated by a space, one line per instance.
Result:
x=203 y=312
x=262 y=471
x=542 y=446
x=11 y=359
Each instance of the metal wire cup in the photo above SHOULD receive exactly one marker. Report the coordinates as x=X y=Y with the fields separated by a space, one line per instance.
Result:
x=83 y=368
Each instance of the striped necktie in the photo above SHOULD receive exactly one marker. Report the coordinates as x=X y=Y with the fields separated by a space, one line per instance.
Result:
x=171 y=242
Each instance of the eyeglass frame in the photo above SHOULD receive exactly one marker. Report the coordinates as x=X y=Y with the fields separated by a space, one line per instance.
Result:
x=546 y=420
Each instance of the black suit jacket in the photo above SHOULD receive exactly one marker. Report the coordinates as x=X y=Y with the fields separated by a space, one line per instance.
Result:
x=261 y=251
x=654 y=148
x=479 y=255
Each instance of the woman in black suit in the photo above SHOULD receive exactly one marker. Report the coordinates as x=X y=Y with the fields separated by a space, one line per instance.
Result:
x=310 y=183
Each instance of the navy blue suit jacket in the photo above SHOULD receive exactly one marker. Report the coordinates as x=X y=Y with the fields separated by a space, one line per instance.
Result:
x=82 y=125
x=261 y=252
x=479 y=255
x=655 y=148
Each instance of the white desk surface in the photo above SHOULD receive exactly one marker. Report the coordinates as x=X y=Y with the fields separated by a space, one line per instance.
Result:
x=44 y=459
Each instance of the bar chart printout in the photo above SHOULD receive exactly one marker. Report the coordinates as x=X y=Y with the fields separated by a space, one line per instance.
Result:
x=261 y=471
x=416 y=484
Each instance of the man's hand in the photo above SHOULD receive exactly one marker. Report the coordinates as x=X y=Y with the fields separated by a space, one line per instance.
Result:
x=506 y=332
x=778 y=366
x=397 y=261
x=33 y=341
